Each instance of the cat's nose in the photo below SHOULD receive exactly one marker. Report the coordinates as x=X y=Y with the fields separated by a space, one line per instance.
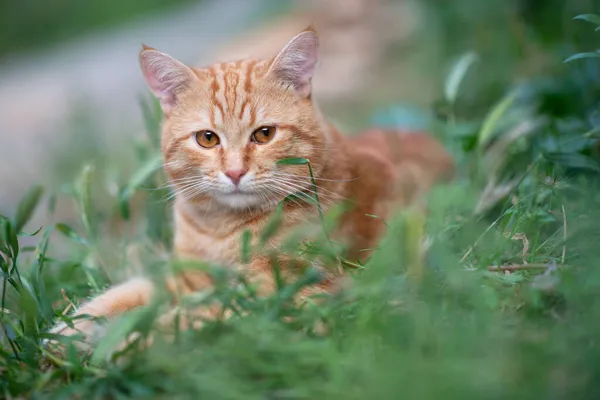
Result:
x=235 y=175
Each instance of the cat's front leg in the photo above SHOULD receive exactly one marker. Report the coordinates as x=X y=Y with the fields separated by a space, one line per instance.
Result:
x=115 y=301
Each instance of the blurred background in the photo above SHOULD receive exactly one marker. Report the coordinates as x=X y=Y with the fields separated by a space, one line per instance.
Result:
x=70 y=87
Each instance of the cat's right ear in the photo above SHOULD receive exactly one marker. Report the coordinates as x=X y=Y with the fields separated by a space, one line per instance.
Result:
x=165 y=76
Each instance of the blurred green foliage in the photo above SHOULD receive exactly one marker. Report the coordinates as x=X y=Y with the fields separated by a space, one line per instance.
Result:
x=26 y=24
x=514 y=40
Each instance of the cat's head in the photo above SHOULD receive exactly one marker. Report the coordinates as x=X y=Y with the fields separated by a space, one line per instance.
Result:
x=227 y=126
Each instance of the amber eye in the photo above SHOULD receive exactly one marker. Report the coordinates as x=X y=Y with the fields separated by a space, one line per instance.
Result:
x=207 y=139
x=263 y=135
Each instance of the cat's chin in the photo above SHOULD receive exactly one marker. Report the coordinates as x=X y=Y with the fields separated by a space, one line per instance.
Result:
x=241 y=201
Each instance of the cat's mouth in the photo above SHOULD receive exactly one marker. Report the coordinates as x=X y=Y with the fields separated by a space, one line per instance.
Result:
x=240 y=199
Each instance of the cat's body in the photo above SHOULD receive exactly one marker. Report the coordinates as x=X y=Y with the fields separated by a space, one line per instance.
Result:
x=226 y=129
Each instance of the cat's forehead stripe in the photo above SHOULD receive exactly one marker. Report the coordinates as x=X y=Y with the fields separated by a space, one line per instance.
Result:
x=239 y=95
x=247 y=87
x=249 y=69
x=231 y=88
x=215 y=88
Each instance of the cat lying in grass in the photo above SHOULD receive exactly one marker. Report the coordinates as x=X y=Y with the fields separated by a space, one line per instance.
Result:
x=227 y=130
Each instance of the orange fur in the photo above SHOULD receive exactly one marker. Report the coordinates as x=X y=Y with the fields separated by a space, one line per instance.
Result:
x=375 y=172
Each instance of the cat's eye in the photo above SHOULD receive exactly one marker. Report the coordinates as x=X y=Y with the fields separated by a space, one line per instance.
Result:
x=263 y=134
x=207 y=139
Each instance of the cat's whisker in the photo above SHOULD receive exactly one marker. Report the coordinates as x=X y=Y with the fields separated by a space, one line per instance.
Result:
x=184 y=185
x=273 y=187
x=199 y=189
x=279 y=183
x=186 y=179
x=167 y=184
x=273 y=200
x=321 y=191
x=303 y=192
x=177 y=190
x=283 y=193
x=179 y=186
x=271 y=194
x=188 y=186
x=308 y=177
x=192 y=189
x=309 y=187
x=170 y=183
x=327 y=149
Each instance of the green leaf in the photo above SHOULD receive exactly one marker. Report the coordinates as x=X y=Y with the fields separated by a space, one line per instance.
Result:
x=52 y=203
x=293 y=161
x=582 y=56
x=138 y=179
x=70 y=233
x=4 y=245
x=83 y=191
x=273 y=224
x=493 y=118
x=152 y=114
x=116 y=335
x=3 y=267
x=41 y=250
x=27 y=206
x=29 y=306
x=297 y=197
x=593 y=18
x=573 y=160
x=593 y=133
x=10 y=237
x=246 y=237
x=31 y=234
x=44 y=304
x=457 y=75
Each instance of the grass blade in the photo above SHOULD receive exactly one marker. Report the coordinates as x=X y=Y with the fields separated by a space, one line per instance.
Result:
x=71 y=234
x=457 y=75
x=493 y=118
x=580 y=56
x=293 y=161
x=592 y=18
x=27 y=206
x=85 y=200
x=137 y=180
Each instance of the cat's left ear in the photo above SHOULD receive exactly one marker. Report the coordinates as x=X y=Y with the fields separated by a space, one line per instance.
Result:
x=295 y=64
x=165 y=76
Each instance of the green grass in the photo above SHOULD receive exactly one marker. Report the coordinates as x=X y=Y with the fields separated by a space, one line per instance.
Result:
x=31 y=24
x=446 y=325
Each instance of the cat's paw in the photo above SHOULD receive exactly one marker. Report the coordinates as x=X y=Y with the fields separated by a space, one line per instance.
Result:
x=83 y=333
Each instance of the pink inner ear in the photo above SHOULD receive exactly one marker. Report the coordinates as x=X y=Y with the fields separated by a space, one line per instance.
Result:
x=156 y=86
x=164 y=75
x=297 y=61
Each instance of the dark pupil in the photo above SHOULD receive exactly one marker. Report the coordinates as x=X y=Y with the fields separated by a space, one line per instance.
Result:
x=208 y=136
x=266 y=131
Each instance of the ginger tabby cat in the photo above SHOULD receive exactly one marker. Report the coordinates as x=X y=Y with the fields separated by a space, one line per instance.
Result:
x=225 y=129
